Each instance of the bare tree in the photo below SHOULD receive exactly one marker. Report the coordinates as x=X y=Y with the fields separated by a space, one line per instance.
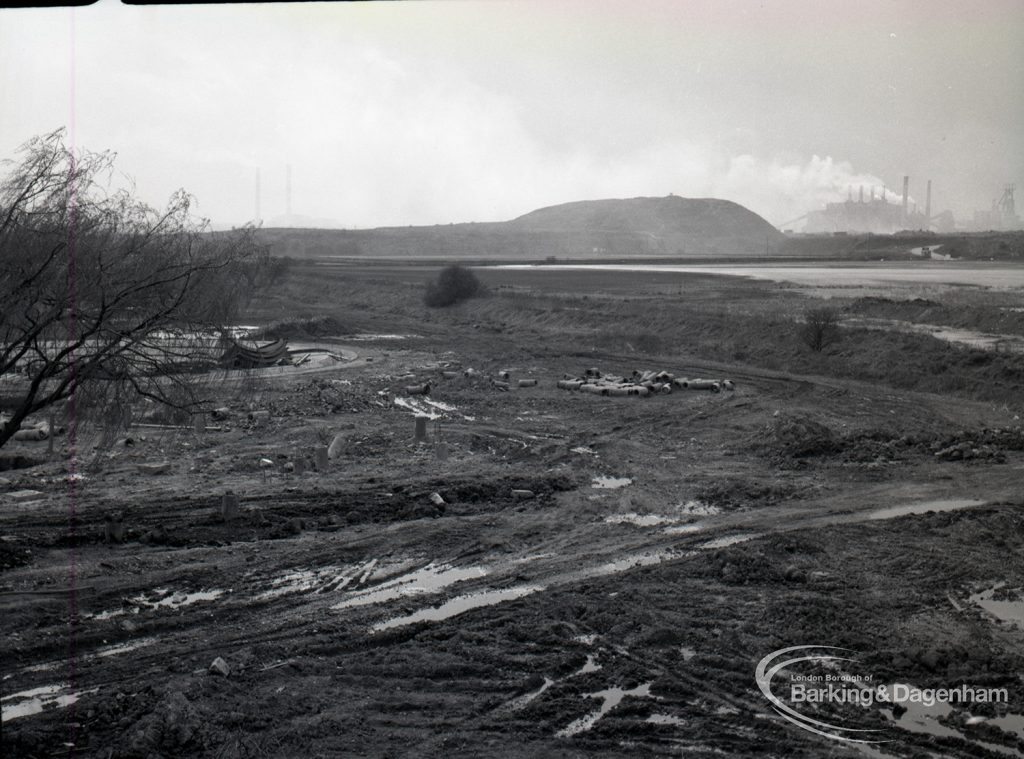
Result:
x=102 y=296
x=820 y=328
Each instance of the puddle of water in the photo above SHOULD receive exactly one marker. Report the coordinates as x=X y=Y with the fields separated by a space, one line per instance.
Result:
x=611 y=483
x=729 y=540
x=106 y=614
x=640 y=520
x=1011 y=723
x=429 y=579
x=697 y=508
x=368 y=336
x=125 y=647
x=177 y=599
x=921 y=507
x=612 y=697
x=518 y=703
x=44 y=667
x=665 y=719
x=459 y=605
x=420 y=409
x=34 y=701
x=621 y=565
x=304 y=580
x=590 y=665
x=923 y=719
x=968 y=337
x=682 y=529
x=367 y=571
x=1004 y=610
x=439 y=405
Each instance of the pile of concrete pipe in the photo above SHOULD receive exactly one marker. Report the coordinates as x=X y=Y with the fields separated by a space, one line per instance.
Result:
x=502 y=380
x=641 y=383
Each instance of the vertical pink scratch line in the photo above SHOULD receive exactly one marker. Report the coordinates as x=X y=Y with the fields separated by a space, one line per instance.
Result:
x=72 y=368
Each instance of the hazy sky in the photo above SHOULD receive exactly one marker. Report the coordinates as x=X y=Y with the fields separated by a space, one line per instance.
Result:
x=480 y=110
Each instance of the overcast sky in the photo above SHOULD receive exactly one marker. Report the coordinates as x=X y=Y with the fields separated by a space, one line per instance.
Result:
x=480 y=110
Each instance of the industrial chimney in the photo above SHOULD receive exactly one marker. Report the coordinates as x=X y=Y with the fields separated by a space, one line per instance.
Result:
x=288 y=191
x=258 y=212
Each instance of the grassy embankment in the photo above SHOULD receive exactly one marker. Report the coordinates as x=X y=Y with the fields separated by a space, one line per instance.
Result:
x=706 y=318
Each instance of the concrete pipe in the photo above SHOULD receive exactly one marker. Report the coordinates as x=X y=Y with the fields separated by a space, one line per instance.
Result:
x=32 y=433
x=527 y=383
x=423 y=389
x=590 y=388
x=728 y=385
x=703 y=384
x=681 y=382
x=639 y=391
x=450 y=375
x=570 y=384
x=618 y=391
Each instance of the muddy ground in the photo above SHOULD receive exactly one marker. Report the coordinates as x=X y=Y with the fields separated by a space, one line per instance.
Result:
x=411 y=600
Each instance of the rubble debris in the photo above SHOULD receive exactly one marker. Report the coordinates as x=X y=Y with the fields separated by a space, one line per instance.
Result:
x=259 y=418
x=501 y=385
x=640 y=383
x=436 y=499
x=522 y=495
x=220 y=414
x=220 y=667
x=266 y=463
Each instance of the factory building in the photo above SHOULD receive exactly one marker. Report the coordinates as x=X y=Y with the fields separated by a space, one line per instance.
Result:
x=874 y=215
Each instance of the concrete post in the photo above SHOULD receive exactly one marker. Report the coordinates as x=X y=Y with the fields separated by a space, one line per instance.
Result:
x=229 y=506
x=320 y=455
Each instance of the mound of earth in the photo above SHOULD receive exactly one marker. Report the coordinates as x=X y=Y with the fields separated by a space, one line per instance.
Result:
x=631 y=228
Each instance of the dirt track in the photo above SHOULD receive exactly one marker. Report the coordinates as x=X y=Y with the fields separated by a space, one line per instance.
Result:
x=358 y=617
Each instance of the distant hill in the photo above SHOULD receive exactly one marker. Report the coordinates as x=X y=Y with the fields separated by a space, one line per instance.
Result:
x=635 y=228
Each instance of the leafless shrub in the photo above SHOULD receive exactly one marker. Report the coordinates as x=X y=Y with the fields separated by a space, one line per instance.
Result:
x=820 y=328
x=98 y=290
